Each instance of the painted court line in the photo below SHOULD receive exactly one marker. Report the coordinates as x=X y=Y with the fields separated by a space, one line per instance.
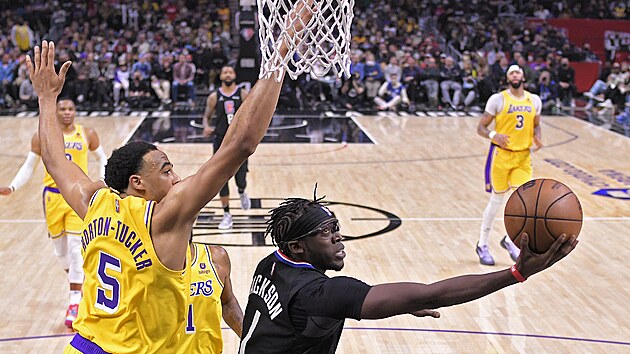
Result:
x=593 y=218
x=386 y=329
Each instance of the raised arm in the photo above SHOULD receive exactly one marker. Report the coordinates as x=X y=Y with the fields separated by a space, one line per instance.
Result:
x=387 y=300
x=182 y=204
x=75 y=186
x=232 y=312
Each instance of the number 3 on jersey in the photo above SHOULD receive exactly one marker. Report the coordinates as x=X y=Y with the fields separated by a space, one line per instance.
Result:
x=108 y=294
x=520 y=122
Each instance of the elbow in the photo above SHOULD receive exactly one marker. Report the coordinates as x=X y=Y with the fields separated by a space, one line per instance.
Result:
x=247 y=148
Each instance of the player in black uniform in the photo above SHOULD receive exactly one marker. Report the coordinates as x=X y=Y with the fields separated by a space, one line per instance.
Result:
x=226 y=101
x=293 y=307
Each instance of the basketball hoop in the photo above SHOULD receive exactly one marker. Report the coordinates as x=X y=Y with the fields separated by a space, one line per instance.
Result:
x=323 y=43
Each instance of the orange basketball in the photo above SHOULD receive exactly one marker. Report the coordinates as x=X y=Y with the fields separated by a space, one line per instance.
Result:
x=544 y=209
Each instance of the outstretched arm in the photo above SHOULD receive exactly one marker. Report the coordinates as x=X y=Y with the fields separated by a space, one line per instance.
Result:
x=26 y=171
x=75 y=186
x=387 y=300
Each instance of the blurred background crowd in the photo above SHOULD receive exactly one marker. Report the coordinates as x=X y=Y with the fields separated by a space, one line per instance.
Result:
x=406 y=54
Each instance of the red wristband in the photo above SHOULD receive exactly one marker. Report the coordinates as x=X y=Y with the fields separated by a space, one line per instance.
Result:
x=517 y=275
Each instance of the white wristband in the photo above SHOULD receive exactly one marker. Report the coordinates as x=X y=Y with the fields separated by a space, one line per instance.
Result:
x=492 y=134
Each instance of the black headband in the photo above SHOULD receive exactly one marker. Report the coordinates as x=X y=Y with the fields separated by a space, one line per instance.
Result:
x=309 y=221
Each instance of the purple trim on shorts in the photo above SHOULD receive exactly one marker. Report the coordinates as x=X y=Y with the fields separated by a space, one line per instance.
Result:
x=85 y=346
x=51 y=189
x=489 y=168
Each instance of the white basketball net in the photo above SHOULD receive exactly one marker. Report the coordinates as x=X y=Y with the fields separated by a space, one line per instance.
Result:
x=320 y=47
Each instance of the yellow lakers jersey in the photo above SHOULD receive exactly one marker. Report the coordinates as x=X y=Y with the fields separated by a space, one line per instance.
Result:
x=516 y=120
x=76 y=151
x=203 y=325
x=131 y=302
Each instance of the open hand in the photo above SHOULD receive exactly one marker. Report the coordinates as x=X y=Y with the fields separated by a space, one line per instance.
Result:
x=530 y=263
x=46 y=82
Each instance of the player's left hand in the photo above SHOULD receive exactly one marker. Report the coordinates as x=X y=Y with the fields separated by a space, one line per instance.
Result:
x=46 y=82
x=426 y=313
x=538 y=144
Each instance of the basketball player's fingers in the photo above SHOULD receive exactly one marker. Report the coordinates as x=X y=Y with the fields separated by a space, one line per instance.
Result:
x=29 y=66
x=525 y=241
x=44 y=55
x=559 y=242
x=51 y=54
x=64 y=70
x=37 y=57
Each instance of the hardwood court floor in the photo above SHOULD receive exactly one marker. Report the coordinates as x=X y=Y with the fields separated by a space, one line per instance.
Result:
x=426 y=171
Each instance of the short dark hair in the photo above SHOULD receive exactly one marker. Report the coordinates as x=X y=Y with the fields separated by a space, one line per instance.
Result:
x=287 y=224
x=124 y=162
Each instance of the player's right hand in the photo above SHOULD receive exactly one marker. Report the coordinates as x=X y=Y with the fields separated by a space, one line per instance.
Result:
x=5 y=190
x=502 y=140
x=46 y=82
x=530 y=263
x=207 y=131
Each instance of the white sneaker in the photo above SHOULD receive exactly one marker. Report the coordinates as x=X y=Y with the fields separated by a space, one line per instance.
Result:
x=226 y=223
x=246 y=203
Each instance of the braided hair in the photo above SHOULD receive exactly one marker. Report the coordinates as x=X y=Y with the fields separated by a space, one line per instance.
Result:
x=295 y=218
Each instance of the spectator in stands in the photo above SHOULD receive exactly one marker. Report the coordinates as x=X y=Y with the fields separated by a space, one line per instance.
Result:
x=183 y=75
x=352 y=92
x=103 y=84
x=498 y=72
x=451 y=76
x=139 y=91
x=392 y=67
x=87 y=72
x=27 y=94
x=161 y=77
x=429 y=80
x=356 y=64
x=469 y=83
x=548 y=91
x=121 y=81
x=391 y=94
x=566 y=83
x=22 y=36
x=217 y=61
x=373 y=75
x=7 y=74
x=539 y=64
x=142 y=66
x=410 y=75
x=608 y=76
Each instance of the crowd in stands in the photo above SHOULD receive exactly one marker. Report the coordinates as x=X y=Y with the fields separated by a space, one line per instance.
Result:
x=405 y=54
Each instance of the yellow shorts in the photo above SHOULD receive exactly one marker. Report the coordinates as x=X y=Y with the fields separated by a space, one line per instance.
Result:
x=507 y=169
x=60 y=218
x=71 y=350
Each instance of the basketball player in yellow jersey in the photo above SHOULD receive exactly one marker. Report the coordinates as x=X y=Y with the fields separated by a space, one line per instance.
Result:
x=516 y=134
x=64 y=226
x=211 y=298
x=135 y=235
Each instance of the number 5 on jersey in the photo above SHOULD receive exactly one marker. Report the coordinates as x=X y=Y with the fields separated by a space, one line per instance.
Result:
x=108 y=294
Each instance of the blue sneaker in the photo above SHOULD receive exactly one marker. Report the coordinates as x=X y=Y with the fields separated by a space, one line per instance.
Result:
x=511 y=248
x=485 y=257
